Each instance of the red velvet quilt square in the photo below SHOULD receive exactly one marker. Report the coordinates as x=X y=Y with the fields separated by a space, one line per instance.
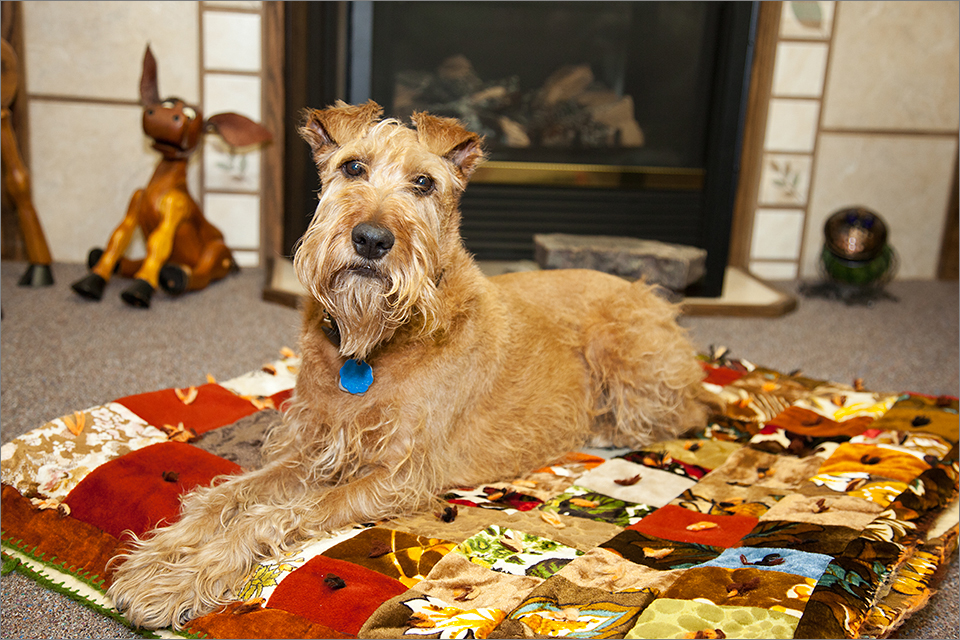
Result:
x=671 y=522
x=314 y=592
x=213 y=407
x=142 y=488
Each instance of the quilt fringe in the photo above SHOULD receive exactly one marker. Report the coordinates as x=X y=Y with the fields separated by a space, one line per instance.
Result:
x=75 y=586
x=882 y=619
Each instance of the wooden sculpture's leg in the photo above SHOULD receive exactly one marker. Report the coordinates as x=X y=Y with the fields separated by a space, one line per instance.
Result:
x=215 y=262
x=17 y=180
x=92 y=285
x=128 y=267
x=174 y=209
x=119 y=239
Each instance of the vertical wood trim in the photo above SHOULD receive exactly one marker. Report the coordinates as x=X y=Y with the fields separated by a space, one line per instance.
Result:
x=19 y=110
x=949 y=267
x=199 y=154
x=751 y=160
x=815 y=154
x=272 y=116
x=12 y=246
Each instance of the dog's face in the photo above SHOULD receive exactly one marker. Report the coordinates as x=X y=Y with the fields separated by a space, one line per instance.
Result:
x=387 y=221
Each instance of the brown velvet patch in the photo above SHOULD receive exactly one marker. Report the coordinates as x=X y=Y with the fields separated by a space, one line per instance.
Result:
x=920 y=413
x=238 y=621
x=80 y=547
x=805 y=422
x=580 y=533
x=746 y=587
x=399 y=555
x=241 y=441
x=757 y=468
x=802 y=536
x=141 y=489
x=659 y=553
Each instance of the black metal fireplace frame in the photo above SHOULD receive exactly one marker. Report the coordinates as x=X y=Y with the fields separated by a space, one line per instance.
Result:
x=319 y=38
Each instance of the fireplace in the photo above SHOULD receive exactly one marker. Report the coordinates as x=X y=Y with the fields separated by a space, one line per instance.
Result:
x=601 y=118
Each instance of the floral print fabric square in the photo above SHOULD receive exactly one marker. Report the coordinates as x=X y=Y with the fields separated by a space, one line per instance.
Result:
x=47 y=463
x=516 y=553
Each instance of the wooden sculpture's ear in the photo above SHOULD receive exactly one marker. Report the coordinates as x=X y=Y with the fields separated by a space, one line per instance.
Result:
x=449 y=139
x=326 y=129
x=149 y=89
x=238 y=130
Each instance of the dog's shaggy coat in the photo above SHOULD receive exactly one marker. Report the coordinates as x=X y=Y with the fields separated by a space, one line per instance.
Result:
x=475 y=379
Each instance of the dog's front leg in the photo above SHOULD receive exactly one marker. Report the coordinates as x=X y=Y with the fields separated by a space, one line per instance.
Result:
x=189 y=568
x=194 y=566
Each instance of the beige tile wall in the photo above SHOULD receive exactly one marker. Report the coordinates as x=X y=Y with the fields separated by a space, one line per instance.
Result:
x=87 y=149
x=864 y=111
x=906 y=178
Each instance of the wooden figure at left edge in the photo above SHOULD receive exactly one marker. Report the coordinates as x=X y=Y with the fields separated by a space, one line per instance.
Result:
x=16 y=179
x=185 y=252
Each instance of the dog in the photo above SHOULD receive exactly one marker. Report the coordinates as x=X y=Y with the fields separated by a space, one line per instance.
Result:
x=417 y=372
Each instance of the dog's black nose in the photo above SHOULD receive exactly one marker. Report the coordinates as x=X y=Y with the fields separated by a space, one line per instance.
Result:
x=372 y=241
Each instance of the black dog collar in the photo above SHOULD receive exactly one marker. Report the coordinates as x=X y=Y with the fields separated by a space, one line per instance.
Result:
x=330 y=329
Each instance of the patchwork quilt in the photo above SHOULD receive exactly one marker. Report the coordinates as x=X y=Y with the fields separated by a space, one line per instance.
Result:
x=803 y=508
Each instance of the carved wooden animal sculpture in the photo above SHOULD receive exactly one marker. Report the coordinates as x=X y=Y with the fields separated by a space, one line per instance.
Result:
x=16 y=179
x=185 y=252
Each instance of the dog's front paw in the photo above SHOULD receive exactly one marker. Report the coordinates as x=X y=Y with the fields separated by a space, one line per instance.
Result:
x=149 y=606
x=154 y=593
x=163 y=584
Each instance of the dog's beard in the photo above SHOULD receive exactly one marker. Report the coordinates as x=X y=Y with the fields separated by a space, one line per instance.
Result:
x=369 y=301
x=364 y=309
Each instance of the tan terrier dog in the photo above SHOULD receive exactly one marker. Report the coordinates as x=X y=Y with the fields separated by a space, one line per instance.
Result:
x=418 y=373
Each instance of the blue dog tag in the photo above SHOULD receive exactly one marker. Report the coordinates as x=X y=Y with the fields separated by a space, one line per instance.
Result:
x=356 y=376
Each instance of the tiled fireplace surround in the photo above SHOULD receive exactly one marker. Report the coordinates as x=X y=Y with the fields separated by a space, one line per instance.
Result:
x=858 y=106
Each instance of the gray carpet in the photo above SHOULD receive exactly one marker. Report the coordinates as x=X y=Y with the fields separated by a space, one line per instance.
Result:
x=59 y=353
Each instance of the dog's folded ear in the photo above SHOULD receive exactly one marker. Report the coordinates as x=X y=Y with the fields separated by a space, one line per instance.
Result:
x=447 y=138
x=326 y=129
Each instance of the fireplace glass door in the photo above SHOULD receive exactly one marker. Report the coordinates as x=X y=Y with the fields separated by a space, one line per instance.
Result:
x=600 y=118
x=604 y=83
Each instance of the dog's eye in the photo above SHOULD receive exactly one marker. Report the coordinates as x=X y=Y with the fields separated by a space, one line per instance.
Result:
x=353 y=168
x=423 y=184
